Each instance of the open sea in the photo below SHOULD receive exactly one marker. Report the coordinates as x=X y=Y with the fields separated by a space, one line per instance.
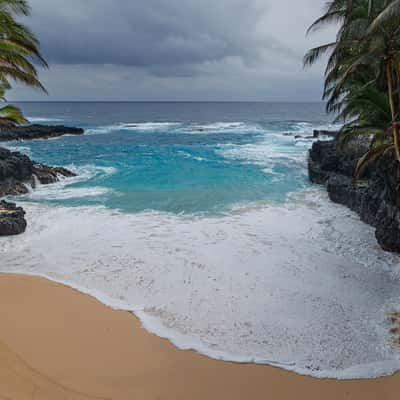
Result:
x=200 y=219
x=177 y=157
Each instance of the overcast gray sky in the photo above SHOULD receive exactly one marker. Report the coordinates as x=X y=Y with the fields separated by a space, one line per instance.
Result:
x=176 y=49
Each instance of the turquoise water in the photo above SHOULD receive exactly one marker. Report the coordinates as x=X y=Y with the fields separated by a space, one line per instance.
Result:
x=175 y=157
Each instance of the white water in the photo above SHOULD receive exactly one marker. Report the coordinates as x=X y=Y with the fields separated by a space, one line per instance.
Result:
x=64 y=189
x=302 y=285
x=36 y=120
x=139 y=126
x=193 y=128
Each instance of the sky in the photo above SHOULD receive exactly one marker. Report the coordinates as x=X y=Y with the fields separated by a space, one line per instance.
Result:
x=176 y=50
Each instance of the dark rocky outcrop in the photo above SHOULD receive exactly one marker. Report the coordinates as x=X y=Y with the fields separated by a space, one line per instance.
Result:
x=329 y=158
x=376 y=199
x=30 y=132
x=18 y=170
x=15 y=170
x=12 y=219
x=47 y=175
x=17 y=173
x=317 y=133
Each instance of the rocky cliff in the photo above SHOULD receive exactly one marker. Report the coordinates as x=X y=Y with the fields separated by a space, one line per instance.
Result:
x=376 y=199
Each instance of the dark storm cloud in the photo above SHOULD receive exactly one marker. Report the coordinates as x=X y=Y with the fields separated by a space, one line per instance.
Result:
x=165 y=37
x=175 y=49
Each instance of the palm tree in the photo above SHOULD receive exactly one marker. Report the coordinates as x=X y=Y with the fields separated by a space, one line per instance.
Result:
x=362 y=78
x=19 y=50
x=10 y=115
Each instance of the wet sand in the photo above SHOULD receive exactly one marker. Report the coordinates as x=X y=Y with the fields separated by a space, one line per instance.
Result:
x=56 y=343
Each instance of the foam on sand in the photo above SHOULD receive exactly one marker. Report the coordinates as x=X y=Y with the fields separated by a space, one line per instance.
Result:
x=302 y=286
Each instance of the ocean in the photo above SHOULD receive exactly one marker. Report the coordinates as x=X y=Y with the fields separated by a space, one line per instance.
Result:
x=177 y=157
x=200 y=219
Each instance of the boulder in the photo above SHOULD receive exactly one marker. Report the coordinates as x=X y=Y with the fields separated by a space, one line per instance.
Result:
x=12 y=219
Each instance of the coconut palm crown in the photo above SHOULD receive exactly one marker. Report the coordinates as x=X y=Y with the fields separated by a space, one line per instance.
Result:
x=362 y=76
x=19 y=53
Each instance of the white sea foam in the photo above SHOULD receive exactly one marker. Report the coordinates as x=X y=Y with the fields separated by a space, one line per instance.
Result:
x=43 y=119
x=17 y=147
x=100 y=130
x=276 y=147
x=307 y=128
x=303 y=286
x=65 y=189
x=89 y=171
x=51 y=192
x=193 y=128
x=297 y=128
x=149 y=126
x=267 y=153
x=222 y=127
x=134 y=127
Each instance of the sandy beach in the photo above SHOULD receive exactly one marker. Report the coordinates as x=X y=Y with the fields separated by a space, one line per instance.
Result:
x=56 y=343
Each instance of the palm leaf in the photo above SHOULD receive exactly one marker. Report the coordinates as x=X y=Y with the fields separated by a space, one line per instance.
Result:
x=314 y=54
x=390 y=13
x=11 y=115
x=370 y=157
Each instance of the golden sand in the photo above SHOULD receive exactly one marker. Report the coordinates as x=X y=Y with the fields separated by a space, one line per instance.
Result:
x=56 y=343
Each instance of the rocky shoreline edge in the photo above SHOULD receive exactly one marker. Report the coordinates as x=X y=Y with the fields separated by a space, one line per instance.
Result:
x=18 y=172
x=376 y=199
x=35 y=131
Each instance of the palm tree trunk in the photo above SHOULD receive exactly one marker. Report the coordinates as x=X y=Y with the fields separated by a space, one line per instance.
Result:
x=397 y=86
x=370 y=7
x=395 y=127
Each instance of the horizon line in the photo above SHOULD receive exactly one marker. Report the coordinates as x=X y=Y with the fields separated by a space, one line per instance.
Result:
x=165 y=101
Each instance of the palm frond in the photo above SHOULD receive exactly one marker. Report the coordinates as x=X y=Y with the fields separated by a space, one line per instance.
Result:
x=389 y=14
x=11 y=115
x=317 y=52
x=370 y=157
x=18 y=7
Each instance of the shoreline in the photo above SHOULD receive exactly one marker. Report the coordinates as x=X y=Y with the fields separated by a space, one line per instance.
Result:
x=68 y=345
x=50 y=238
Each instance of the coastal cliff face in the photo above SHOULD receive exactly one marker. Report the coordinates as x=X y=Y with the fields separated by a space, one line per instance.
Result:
x=376 y=199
